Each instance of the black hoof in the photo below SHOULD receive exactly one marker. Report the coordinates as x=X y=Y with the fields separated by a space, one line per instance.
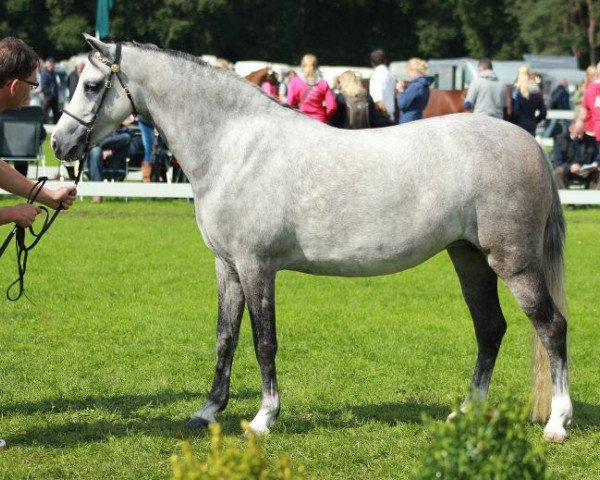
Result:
x=197 y=422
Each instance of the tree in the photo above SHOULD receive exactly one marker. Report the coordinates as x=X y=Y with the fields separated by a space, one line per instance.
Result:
x=489 y=29
x=438 y=29
x=574 y=27
x=25 y=19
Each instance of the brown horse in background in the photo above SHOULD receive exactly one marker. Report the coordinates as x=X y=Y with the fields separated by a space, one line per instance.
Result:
x=259 y=76
x=444 y=102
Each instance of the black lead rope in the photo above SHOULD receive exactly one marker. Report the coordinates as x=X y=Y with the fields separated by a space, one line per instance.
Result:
x=22 y=248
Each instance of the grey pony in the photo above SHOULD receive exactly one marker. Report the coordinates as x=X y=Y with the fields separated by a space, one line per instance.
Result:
x=277 y=190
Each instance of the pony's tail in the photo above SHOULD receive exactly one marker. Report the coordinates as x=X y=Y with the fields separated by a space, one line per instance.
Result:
x=554 y=238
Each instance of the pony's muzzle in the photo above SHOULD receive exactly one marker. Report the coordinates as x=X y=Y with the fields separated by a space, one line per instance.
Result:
x=66 y=150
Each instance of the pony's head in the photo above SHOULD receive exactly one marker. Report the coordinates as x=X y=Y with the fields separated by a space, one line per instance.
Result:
x=98 y=106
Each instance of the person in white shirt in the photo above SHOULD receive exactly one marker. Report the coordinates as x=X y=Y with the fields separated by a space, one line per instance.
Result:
x=382 y=84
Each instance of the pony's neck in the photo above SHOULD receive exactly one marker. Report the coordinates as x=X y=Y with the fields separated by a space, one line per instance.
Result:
x=191 y=104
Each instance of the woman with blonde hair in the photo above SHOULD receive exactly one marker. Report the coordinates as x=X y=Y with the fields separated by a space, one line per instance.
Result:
x=528 y=107
x=413 y=97
x=355 y=107
x=310 y=93
x=588 y=77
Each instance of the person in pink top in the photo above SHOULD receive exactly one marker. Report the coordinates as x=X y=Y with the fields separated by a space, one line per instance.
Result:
x=588 y=120
x=270 y=85
x=309 y=93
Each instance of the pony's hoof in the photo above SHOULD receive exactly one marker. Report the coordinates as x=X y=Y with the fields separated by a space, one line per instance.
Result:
x=197 y=422
x=258 y=429
x=555 y=435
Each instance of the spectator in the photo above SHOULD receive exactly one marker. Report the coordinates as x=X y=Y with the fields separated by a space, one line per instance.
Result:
x=109 y=155
x=74 y=78
x=528 y=107
x=588 y=120
x=381 y=85
x=486 y=94
x=222 y=63
x=590 y=76
x=270 y=85
x=572 y=151
x=559 y=98
x=413 y=97
x=284 y=85
x=355 y=107
x=309 y=93
x=18 y=68
x=147 y=131
x=49 y=86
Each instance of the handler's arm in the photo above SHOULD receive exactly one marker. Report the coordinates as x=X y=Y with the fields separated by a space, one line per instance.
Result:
x=15 y=183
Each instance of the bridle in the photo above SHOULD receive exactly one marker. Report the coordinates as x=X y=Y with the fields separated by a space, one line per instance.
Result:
x=19 y=232
x=115 y=70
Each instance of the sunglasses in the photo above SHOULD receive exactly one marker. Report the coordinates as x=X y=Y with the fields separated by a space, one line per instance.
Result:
x=34 y=85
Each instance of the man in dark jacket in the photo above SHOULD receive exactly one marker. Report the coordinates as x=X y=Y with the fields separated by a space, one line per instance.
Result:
x=49 y=85
x=559 y=99
x=74 y=78
x=575 y=159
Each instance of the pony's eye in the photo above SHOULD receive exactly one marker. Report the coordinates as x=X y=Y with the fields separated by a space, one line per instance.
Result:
x=91 y=87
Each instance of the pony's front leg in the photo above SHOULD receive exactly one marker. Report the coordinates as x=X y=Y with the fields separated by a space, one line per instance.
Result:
x=231 y=309
x=259 y=289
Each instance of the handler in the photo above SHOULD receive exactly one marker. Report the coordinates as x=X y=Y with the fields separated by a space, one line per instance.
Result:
x=18 y=68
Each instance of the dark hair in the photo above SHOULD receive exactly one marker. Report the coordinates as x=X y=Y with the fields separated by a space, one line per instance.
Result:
x=17 y=59
x=485 y=63
x=378 y=57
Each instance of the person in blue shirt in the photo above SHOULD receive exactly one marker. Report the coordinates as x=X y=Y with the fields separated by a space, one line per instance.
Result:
x=413 y=97
x=572 y=151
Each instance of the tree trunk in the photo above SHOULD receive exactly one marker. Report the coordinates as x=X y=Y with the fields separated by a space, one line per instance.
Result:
x=592 y=29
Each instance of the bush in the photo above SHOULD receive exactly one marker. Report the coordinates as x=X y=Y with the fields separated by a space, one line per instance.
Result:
x=484 y=443
x=227 y=462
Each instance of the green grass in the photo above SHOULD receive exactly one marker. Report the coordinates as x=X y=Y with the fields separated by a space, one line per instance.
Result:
x=100 y=371
x=51 y=160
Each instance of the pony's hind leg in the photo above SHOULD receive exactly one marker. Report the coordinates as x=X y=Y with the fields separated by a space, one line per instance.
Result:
x=479 y=284
x=258 y=282
x=231 y=309
x=531 y=291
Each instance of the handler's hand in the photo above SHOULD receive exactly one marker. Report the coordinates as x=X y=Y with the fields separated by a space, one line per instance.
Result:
x=64 y=196
x=24 y=215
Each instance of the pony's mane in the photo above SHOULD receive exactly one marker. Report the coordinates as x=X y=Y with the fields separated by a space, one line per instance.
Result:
x=191 y=58
x=173 y=53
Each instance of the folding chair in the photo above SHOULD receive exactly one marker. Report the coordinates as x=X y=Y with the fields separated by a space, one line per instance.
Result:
x=21 y=136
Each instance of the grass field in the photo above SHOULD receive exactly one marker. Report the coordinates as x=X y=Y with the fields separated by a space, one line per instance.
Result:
x=100 y=371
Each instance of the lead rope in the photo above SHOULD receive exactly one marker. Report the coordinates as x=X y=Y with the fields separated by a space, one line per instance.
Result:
x=22 y=249
x=19 y=234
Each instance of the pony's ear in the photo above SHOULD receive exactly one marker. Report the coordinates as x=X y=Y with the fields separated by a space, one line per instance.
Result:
x=96 y=44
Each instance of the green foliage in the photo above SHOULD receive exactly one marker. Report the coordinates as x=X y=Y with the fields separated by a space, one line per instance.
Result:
x=226 y=461
x=487 y=443
x=488 y=28
x=573 y=26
